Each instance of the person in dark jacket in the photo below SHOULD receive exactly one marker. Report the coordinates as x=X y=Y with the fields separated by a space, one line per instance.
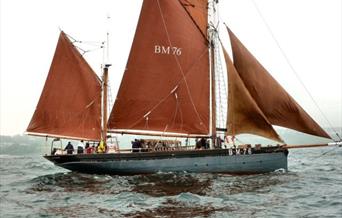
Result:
x=69 y=148
x=204 y=143
x=135 y=145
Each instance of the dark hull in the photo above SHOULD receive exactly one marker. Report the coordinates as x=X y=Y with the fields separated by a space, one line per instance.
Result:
x=194 y=161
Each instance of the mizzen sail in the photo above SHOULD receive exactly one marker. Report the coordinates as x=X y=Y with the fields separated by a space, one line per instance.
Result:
x=165 y=86
x=276 y=104
x=244 y=115
x=70 y=104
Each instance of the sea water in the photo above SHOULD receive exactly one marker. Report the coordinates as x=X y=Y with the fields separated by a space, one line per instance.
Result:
x=31 y=186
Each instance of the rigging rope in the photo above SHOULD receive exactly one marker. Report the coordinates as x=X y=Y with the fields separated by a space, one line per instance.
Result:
x=321 y=155
x=292 y=68
x=324 y=153
x=221 y=88
x=176 y=112
x=90 y=50
x=97 y=45
x=110 y=97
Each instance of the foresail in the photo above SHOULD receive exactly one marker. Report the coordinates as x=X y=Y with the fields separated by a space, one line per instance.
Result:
x=70 y=103
x=244 y=115
x=165 y=86
x=276 y=104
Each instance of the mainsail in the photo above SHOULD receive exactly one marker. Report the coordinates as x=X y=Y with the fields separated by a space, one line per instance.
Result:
x=275 y=103
x=70 y=104
x=165 y=86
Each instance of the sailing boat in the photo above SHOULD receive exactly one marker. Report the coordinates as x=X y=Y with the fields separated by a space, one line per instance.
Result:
x=169 y=89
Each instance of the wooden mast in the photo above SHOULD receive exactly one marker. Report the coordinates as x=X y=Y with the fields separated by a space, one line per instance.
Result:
x=104 y=109
x=213 y=96
x=105 y=92
x=212 y=19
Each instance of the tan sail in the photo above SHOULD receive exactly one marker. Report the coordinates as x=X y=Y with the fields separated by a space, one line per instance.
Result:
x=244 y=115
x=277 y=105
x=198 y=10
x=165 y=86
x=70 y=104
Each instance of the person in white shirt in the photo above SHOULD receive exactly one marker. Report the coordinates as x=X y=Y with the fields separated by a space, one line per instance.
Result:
x=80 y=147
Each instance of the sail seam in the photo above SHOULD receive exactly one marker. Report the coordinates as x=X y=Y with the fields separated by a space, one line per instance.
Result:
x=176 y=111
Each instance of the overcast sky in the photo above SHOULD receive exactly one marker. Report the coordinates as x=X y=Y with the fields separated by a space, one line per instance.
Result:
x=308 y=31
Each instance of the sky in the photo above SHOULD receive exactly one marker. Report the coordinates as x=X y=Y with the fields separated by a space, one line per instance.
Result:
x=309 y=33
